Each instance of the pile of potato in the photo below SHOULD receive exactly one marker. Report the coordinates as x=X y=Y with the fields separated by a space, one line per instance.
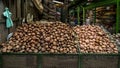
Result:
x=116 y=38
x=56 y=37
x=94 y=40
x=42 y=38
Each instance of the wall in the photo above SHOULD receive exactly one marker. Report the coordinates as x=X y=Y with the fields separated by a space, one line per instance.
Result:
x=15 y=8
x=19 y=10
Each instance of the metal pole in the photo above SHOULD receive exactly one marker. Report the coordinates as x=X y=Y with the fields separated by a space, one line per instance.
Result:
x=94 y=15
x=1 y=62
x=78 y=14
x=118 y=16
x=39 y=62
x=80 y=60
x=83 y=15
x=119 y=61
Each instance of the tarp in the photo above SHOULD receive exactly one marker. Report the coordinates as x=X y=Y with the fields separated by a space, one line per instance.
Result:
x=38 y=5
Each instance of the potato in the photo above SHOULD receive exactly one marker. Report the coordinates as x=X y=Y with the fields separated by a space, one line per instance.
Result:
x=49 y=37
x=94 y=40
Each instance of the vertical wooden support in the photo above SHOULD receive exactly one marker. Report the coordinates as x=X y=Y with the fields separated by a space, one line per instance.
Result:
x=26 y=4
x=118 y=16
x=22 y=8
x=18 y=8
x=19 y=11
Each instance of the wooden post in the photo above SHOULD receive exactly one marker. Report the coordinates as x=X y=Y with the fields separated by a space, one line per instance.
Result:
x=18 y=4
